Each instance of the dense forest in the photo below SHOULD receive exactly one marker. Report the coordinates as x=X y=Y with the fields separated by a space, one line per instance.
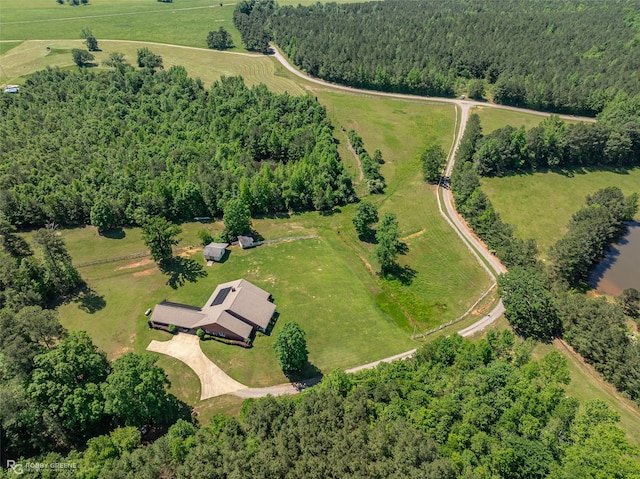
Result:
x=143 y=143
x=558 y=55
x=463 y=409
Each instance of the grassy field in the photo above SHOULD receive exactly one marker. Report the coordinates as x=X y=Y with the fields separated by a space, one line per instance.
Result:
x=402 y=129
x=182 y=22
x=208 y=65
x=520 y=198
x=350 y=314
x=493 y=118
x=437 y=293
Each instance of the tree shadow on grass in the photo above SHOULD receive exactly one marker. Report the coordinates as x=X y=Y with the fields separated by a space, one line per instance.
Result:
x=114 y=233
x=180 y=270
x=369 y=237
x=89 y=301
x=308 y=376
x=403 y=274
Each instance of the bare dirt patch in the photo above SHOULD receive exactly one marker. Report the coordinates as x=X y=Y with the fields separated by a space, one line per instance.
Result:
x=144 y=272
x=124 y=349
x=186 y=253
x=414 y=235
x=142 y=262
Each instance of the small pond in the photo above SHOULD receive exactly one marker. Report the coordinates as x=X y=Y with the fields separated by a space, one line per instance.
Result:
x=620 y=268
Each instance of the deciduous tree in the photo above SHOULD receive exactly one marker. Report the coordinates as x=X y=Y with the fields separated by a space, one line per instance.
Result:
x=65 y=386
x=81 y=57
x=148 y=59
x=220 y=39
x=102 y=215
x=135 y=393
x=433 y=160
x=389 y=245
x=526 y=294
x=160 y=235
x=630 y=302
x=89 y=40
x=237 y=219
x=366 y=215
x=290 y=347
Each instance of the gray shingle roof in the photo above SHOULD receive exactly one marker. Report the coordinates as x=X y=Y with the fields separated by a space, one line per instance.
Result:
x=238 y=306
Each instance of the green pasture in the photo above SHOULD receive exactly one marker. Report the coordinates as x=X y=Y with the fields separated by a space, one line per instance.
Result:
x=447 y=276
x=318 y=282
x=208 y=65
x=447 y=279
x=539 y=205
x=493 y=118
x=6 y=46
x=182 y=22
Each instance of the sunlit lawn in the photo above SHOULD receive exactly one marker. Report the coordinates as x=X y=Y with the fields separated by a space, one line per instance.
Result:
x=208 y=65
x=317 y=282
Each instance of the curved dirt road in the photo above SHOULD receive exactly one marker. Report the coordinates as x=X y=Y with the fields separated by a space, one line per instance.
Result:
x=460 y=103
x=492 y=265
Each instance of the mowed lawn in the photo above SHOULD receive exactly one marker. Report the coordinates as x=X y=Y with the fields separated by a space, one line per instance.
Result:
x=183 y=22
x=539 y=205
x=319 y=283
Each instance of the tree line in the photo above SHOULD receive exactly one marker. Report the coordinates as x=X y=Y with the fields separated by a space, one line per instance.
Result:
x=135 y=143
x=612 y=141
x=546 y=302
x=476 y=208
x=456 y=409
x=542 y=300
x=445 y=48
x=370 y=166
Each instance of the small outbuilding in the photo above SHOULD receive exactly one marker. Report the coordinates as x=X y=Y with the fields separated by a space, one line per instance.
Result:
x=215 y=251
x=245 y=241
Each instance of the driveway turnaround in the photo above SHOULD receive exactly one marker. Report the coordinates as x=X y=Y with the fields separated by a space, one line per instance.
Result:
x=186 y=348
